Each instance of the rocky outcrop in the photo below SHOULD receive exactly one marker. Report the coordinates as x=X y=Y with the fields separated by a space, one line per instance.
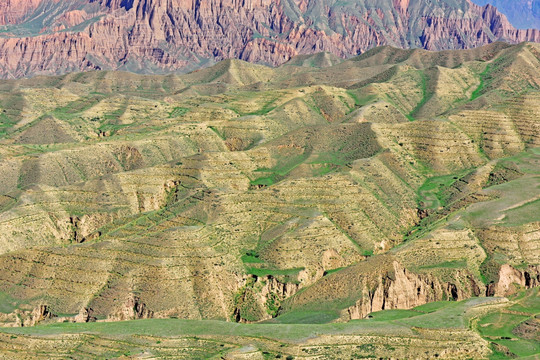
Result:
x=511 y=278
x=13 y=11
x=39 y=314
x=84 y=316
x=403 y=289
x=181 y=35
x=84 y=228
x=132 y=309
x=261 y=297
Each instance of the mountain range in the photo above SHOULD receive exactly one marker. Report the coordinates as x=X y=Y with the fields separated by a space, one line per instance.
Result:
x=258 y=179
x=158 y=36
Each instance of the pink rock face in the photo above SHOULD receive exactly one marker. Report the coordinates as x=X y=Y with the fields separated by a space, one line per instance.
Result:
x=73 y=18
x=12 y=11
x=511 y=279
x=178 y=35
x=406 y=290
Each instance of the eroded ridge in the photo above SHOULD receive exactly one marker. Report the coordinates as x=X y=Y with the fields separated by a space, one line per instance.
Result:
x=317 y=192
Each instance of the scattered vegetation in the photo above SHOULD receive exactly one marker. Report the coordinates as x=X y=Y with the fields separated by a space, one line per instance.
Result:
x=262 y=272
x=199 y=182
x=178 y=111
x=480 y=89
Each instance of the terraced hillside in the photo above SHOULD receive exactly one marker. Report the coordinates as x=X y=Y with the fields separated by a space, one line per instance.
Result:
x=318 y=192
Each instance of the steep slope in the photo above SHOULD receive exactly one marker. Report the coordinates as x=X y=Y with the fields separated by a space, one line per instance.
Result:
x=13 y=12
x=523 y=14
x=51 y=37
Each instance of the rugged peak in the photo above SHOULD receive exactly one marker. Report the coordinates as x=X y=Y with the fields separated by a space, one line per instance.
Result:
x=117 y=4
x=523 y=14
x=401 y=5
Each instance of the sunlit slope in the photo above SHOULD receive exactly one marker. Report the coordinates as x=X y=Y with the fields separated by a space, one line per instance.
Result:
x=246 y=193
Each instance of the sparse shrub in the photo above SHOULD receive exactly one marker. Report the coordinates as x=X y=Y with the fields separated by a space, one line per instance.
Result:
x=272 y=305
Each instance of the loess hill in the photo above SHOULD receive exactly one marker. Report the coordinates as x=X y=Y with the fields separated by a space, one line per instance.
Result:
x=318 y=191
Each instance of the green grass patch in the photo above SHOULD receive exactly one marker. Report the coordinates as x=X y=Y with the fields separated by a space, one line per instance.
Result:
x=425 y=97
x=216 y=131
x=480 y=89
x=515 y=202
x=522 y=348
x=324 y=169
x=451 y=316
x=454 y=264
x=291 y=326
x=434 y=194
x=498 y=327
x=283 y=167
x=177 y=327
x=251 y=257
x=8 y=304
x=432 y=307
x=76 y=107
x=336 y=158
x=5 y=123
x=527 y=302
x=500 y=324
x=360 y=100
x=263 y=111
x=262 y=272
x=306 y=317
x=265 y=181
x=112 y=128
x=331 y=271
x=178 y=111
x=387 y=315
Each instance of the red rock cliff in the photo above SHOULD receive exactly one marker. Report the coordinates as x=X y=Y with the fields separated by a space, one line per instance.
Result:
x=181 y=35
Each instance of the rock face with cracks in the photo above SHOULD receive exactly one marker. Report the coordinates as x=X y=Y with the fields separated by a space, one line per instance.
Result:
x=402 y=290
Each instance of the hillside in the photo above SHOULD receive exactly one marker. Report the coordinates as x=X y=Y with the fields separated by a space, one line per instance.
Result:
x=318 y=192
x=158 y=36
